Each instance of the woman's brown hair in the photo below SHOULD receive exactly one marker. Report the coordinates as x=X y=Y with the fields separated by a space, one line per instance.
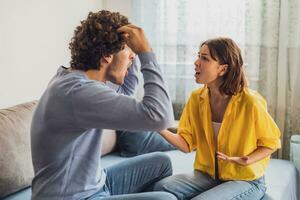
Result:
x=225 y=51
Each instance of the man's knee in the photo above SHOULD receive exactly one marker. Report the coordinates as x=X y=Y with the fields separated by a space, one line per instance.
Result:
x=160 y=157
x=164 y=160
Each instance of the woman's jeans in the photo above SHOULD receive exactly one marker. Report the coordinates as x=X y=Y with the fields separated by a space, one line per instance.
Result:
x=198 y=185
x=126 y=180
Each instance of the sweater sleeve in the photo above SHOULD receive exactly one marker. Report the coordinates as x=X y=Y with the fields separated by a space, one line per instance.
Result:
x=96 y=105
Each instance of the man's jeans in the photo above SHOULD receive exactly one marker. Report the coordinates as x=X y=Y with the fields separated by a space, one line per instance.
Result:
x=127 y=179
x=200 y=186
x=133 y=143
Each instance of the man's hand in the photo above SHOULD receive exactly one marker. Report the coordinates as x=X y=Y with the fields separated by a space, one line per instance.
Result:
x=244 y=160
x=135 y=38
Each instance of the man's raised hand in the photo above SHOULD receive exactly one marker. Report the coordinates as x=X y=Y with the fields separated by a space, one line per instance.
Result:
x=135 y=38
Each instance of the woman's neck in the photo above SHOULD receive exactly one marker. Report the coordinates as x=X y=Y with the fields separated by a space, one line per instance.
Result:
x=218 y=102
x=215 y=93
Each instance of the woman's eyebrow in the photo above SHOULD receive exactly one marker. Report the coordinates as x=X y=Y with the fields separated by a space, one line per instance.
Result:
x=203 y=54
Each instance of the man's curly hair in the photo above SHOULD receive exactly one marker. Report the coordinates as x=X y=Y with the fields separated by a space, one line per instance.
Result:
x=96 y=37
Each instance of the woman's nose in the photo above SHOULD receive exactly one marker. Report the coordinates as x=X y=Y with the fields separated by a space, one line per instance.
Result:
x=197 y=63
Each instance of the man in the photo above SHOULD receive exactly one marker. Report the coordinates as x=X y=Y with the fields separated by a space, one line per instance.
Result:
x=77 y=104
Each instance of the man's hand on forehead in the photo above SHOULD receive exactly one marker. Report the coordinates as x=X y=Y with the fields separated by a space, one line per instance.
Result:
x=135 y=38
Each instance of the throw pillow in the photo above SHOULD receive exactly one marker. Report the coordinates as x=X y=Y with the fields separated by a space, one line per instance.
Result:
x=16 y=170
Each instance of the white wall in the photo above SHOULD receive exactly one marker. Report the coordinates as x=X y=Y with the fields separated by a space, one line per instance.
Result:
x=121 y=6
x=34 y=38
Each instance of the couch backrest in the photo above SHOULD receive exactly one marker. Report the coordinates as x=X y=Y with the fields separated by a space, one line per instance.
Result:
x=16 y=171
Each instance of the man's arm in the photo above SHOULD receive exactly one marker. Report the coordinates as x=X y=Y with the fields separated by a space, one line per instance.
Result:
x=96 y=105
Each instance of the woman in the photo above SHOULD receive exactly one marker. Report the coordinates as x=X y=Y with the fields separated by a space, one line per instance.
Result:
x=229 y=127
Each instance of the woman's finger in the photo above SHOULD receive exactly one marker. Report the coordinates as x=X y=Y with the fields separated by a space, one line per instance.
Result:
x=222 y=157
x=222 y=154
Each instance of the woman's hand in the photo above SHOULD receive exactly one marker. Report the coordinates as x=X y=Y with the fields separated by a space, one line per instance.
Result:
x=243 y=160
x=257 y=155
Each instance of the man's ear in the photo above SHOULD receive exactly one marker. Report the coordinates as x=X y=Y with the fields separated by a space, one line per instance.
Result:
x=106 y=59
x=223 y=69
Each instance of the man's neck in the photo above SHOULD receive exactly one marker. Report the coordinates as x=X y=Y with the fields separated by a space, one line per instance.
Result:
x=97 y=75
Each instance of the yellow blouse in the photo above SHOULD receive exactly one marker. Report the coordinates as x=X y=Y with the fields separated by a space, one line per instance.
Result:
x=246 y=125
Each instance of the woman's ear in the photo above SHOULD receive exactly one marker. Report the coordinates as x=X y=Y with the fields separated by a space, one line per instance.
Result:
x=223 y=69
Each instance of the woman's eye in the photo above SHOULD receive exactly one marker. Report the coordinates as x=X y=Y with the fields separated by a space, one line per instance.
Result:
x=204 y=58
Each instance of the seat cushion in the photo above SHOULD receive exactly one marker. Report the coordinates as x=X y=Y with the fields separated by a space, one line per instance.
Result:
x=16 y=169
x=109 y=140
x=280 y=176
x=281 y=180
x=24 y=194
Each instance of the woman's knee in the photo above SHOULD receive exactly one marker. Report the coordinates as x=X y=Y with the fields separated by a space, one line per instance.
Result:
x=164 y=184
x=165 y=196
x=159 y=186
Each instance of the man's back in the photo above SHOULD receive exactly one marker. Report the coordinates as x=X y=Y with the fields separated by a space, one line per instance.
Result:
x=66 y=157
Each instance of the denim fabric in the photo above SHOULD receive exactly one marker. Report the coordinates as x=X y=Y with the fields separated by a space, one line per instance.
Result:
x=200 y=186
x=133 y=143
x=140 y=196
x=126 y=180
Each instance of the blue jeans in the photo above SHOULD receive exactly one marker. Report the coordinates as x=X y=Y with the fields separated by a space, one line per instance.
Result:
x=127 y=179
x=200 y=186
x=133 y=143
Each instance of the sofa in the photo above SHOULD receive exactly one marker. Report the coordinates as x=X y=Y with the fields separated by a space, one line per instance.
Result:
x=16 y=169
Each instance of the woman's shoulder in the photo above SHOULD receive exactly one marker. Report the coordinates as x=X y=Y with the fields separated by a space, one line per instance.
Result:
x=253 y=98
x=199 y=92
x=197 y=96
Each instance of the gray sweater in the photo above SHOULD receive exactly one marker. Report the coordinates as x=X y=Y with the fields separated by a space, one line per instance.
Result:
x=68 y=121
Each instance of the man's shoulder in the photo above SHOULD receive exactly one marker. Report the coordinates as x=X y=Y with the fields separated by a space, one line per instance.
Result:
x=74 y=80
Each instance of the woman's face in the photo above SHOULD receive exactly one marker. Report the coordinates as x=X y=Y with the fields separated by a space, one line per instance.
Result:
x=207 y=70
